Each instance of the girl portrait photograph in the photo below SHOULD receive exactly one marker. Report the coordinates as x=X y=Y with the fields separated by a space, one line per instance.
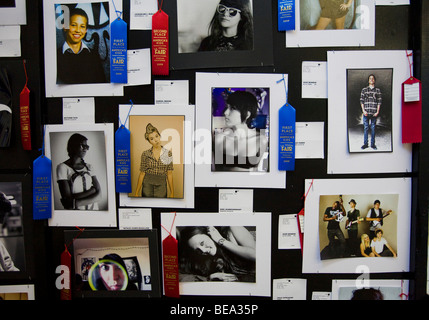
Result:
x=157 y=151
x=214 y=25
x=240 y=128
x=210 y=253
x=83 y=43
x=82 y=187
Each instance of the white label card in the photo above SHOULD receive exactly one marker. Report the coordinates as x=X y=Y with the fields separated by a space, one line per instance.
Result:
x=235 y=200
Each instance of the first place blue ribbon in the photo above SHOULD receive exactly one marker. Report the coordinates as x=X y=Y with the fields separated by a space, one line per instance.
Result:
x=286 y=15
x=118 y=51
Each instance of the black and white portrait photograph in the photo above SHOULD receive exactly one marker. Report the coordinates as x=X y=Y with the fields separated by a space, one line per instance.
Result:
x=219 y=33
x=221 y=253
x=83 y=43
x=357 y=222
x=369 y=110
x=81 y=181
x=240 y=128
x=12 y=253
x=215 y=25
x=217 y=253
x=358 y=225
x=110 y=260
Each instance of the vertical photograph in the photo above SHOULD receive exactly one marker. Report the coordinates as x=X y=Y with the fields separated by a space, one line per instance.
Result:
x=157 y=156
x=79 y=170
x=82 y=42
x=12 y=253
x=329 y=14
x=217 y=253
x=240 y=129
x=369 y=110
x=358 y=225
x=214 y=25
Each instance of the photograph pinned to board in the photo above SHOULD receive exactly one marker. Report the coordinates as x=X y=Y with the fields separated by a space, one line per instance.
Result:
x=22 y=292
x=243 y=273
x=12 y=237
x=345 y=255
x=251 y=101
x=358 y=225
x=83 y=186
x=131 y=255
x=372 y=90
x=339 y=23
x=370 y=289
x=81 y=59
x=13 y=12
x=345 y=68
x=162 y=169
x=217 y=33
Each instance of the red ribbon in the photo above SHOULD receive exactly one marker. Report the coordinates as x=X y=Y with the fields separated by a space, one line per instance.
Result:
x=24 y=115
x=170 y=259
x=160 y=48
x=411 y=112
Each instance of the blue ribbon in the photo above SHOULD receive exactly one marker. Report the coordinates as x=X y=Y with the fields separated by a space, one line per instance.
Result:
x=286 y=15
x=118 y=51
x=123 y=157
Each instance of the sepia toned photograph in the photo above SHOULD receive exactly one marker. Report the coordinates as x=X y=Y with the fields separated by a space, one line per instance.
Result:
x=157 y=153
x=240 y=129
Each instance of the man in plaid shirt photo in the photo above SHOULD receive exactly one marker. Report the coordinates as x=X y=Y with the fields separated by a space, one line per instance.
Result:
x=370 y=101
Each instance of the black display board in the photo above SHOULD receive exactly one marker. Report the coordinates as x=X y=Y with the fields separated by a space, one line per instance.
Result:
x=397 y=28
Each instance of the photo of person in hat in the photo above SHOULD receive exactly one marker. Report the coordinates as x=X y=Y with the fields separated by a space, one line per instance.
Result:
x=353 y=219
x=231 y=27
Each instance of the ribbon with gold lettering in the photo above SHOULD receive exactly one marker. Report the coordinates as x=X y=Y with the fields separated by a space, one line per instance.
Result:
x=24 y=114
x=160 y=50
x=170 y=262
x=118 y=50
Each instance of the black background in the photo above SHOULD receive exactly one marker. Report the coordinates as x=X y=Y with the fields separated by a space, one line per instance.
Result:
x=397 y=28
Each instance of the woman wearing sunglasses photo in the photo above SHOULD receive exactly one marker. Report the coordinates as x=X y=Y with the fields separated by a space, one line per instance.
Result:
x=231 y=27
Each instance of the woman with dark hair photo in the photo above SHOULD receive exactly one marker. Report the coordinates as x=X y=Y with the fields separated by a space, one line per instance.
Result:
x=239 y=145
x=156 y=168
x=110 y=274
x=210 y=253
x=79 y=187
x=231 y=27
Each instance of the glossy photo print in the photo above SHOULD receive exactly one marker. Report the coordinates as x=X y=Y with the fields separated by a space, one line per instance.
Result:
x=240 y=129
x=12 y=253
x=157 y=153
x=369 y=110
x=82 y=186
x=358 y=225
x=222 y=253
x=110 y=263
x=83 y=43
x=202 y=256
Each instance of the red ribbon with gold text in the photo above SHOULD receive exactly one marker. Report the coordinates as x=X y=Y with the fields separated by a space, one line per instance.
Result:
x=170 y=259
x=411 y=108
x=24 y=114
x=160 y=49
